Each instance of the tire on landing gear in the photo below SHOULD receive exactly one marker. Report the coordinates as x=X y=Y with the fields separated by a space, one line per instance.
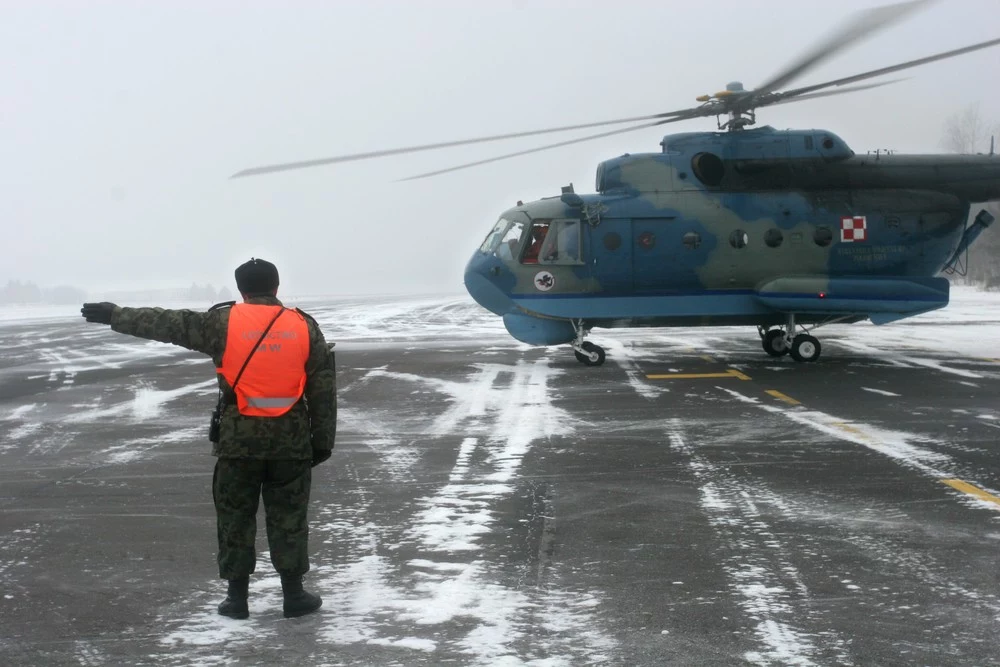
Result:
x=774 y=343
x=592 y=355
x=805 y=348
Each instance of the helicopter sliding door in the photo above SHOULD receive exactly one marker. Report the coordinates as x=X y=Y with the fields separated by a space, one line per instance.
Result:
x=610 y=250
x=661 y=255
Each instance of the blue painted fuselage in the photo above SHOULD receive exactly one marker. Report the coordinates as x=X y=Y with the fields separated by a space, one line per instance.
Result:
x=736 y=228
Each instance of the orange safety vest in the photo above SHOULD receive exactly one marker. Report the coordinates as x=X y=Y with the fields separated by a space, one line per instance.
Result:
x=275 y=378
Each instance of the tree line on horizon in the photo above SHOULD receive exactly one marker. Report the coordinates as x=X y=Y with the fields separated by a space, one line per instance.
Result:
x=26 y=293
x=969 y=133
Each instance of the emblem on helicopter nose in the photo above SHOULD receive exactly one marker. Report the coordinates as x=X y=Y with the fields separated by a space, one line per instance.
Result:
x=544 y=281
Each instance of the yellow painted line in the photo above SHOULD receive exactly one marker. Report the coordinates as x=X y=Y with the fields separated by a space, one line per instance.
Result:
x=994 y=361
x=782 y=397
x=851 y=429
x=731 y=373
x=688 y=376
x=972 y=490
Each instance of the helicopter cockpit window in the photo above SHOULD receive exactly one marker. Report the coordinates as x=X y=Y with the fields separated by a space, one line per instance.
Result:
x=561 y=244
x=509 y=240
x=493 y=238
x=536 y=237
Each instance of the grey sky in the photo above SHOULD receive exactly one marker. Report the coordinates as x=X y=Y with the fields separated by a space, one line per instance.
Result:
x=120 y=122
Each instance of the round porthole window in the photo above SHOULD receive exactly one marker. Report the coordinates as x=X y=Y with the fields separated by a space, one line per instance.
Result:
x=739 y=239
x=773 y=238
x=823 y=236
x=612 y=241
x=692 y=240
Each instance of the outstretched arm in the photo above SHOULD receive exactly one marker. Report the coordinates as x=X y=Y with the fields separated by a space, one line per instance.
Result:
x=201 y=332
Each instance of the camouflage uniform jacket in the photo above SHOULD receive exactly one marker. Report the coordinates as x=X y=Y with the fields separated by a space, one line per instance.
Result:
x=311 y=424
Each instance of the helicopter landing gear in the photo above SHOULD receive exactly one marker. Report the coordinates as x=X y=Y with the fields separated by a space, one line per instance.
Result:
x=586 y=352
x=805 y=348
x=801 y=347
x=590 y=354
x=774 y=342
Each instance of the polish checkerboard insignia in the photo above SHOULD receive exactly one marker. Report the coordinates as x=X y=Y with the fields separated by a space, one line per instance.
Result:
x=853 y=228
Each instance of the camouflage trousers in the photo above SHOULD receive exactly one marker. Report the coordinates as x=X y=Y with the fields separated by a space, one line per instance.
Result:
x=237 y=486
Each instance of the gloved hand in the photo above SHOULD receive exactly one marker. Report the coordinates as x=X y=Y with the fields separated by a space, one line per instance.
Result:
x=320 y=455
x=98 y=312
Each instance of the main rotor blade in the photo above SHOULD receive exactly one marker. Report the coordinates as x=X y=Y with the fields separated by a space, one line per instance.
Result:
x=785 y=99
x=797 y=92
x=287 y=166
x=694 y=113
x=864 y=24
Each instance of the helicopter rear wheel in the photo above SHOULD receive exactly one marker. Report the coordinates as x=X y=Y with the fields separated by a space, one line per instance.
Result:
x=590 y=354
x=775 y=343
x=805 y=348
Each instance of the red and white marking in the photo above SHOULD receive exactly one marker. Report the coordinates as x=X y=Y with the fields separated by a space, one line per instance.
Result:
x=853 y=229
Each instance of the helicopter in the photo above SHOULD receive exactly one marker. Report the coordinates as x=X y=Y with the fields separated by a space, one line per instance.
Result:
x=786 y=231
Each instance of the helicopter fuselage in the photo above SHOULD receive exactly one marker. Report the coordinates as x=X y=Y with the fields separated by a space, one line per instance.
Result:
x=739 y=228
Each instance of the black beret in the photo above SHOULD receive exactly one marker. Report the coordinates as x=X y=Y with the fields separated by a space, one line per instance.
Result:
x=258 y=276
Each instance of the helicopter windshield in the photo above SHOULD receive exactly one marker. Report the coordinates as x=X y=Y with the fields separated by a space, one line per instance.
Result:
x=493 y=238
x=508 y=240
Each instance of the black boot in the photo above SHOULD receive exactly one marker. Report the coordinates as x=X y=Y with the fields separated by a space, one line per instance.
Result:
x=235 y=604
x=297 y=601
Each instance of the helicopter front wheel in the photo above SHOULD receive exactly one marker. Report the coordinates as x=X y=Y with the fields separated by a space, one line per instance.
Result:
x=775 y=343
x=589 y=354
x=805 y=348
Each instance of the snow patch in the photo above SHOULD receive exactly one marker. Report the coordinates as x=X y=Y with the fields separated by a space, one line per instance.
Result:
x=20 y=411
x=147 y=403
x=625 y=356
x=881 y=392
x=767 y=583
x=897 y=445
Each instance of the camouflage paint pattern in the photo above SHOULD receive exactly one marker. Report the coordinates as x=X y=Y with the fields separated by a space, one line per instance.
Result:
x=666 y=243
x=284 y=485
x=258 y=457
x=311 y=425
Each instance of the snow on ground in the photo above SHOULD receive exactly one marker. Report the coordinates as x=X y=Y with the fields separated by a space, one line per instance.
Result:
x=381 y=601
x=497 y=413
x=967 y=326
x=759 y=570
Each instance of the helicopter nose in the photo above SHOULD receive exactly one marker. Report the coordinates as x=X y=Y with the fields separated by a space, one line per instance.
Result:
x=483 y=276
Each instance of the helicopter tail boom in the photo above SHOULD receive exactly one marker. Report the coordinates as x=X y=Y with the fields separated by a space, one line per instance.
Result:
x=973 y=178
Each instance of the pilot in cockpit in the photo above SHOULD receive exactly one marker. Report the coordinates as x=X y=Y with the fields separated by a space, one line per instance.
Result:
x=537 y=238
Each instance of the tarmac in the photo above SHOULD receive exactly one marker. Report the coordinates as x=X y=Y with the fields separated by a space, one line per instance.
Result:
x=690 y=502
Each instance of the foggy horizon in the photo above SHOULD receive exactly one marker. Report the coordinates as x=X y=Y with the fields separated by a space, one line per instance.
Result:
x=124 y=121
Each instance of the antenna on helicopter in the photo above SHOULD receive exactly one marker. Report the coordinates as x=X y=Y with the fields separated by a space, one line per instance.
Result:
x=991 y=144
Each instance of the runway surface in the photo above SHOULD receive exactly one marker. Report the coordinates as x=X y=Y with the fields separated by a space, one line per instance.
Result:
x=489 y=503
